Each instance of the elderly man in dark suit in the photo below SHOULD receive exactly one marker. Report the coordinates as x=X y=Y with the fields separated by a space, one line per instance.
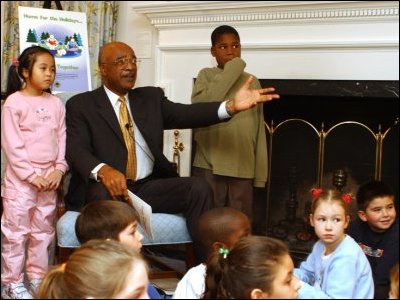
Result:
x=97 y=149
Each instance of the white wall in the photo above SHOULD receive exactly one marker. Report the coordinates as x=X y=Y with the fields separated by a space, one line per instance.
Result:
x=280 y=39
x=134 y=29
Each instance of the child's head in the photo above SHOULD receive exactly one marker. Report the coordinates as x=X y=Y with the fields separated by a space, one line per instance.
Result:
x=225 y=42
x=35 y=68
x=394 y=282
x=100 y=269
x=376 y=205
x=106 y=219
x=329 y=216
x=257 y=267
x=221 y=227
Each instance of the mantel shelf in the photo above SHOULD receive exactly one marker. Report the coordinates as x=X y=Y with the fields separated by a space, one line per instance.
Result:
x=194 y=13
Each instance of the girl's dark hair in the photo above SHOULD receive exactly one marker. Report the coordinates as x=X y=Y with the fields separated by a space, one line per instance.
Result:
x=25 y=61
x=224 y=29
x=251 y=264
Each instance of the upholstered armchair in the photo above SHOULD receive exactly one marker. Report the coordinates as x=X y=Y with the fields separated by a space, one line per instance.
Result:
x=167 y=229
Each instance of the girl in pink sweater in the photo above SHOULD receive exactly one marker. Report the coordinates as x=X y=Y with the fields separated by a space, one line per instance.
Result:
x=33 y=139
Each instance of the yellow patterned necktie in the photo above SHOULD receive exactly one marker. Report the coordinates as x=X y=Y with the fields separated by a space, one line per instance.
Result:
x=129 y=137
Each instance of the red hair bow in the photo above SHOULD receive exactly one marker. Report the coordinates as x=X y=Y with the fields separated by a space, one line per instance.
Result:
x=347 y=198
x=315 y=193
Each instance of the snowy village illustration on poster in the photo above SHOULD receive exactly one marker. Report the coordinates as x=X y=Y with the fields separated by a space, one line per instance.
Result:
x=64 y=34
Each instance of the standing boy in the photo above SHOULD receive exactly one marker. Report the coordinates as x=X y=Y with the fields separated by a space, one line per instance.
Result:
x=377 y=232
x=231 y=156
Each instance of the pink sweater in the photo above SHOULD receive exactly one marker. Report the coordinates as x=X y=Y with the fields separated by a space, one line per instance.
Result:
x=33 y=134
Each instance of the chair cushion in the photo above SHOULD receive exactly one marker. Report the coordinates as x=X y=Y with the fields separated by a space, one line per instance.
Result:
x=66 y=236
x=167 y=229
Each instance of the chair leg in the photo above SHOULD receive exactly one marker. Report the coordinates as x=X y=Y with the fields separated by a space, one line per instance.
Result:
x=190 y=256
x=63 y=254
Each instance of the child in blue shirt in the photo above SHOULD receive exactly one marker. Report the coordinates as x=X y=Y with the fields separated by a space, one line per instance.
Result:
x=337 y=267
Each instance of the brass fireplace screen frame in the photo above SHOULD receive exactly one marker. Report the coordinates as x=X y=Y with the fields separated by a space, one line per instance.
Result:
x=322 y=135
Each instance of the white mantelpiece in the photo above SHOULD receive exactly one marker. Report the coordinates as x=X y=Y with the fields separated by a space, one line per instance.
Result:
x=196 y=13
x=280 y=39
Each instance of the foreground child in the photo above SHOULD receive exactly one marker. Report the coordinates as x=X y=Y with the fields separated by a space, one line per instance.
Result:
x=218 y=229
x=257 y=267
x=105 y=219
x=33 y=140
x=99 y=269
x=336 y=268
x=377 y=232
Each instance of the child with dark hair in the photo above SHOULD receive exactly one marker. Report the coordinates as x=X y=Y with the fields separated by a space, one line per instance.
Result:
x=336 y=268
x=231 y=174
x=257 y=267
x=105 y=219
x=33 y=137
x=377 y=232
x=218 y=229
x=108 y=220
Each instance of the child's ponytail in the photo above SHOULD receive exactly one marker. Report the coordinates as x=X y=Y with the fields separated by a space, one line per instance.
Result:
x=252 y=263
x=25 y=62
x=319 y=195
x=216 y=277
x=14 y=82
x=52 y=286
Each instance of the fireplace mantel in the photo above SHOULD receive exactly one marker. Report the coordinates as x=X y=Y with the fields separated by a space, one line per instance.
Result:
x=164 y=14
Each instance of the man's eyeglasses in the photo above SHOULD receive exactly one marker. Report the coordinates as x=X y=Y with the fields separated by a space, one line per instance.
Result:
x=122 y=62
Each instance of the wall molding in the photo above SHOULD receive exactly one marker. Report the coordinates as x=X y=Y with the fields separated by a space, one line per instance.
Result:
x=193 y=13
x=388 y=44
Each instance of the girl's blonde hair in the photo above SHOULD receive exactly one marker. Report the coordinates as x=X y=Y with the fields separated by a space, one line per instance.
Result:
x=98 y=269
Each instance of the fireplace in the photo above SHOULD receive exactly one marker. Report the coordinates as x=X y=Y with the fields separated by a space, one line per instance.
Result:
x=333 y=41
x=329 y=133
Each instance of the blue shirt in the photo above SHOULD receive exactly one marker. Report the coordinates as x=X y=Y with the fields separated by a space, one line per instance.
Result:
x=345 y=274
x=152 y=292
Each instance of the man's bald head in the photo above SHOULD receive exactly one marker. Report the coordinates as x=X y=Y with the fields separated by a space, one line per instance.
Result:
x=106 y=51
x=118 y=69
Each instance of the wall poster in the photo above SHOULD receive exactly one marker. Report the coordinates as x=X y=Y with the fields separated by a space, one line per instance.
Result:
x=64 y=34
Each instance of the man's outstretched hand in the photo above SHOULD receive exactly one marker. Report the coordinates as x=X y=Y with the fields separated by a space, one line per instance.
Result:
x=246 y=98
